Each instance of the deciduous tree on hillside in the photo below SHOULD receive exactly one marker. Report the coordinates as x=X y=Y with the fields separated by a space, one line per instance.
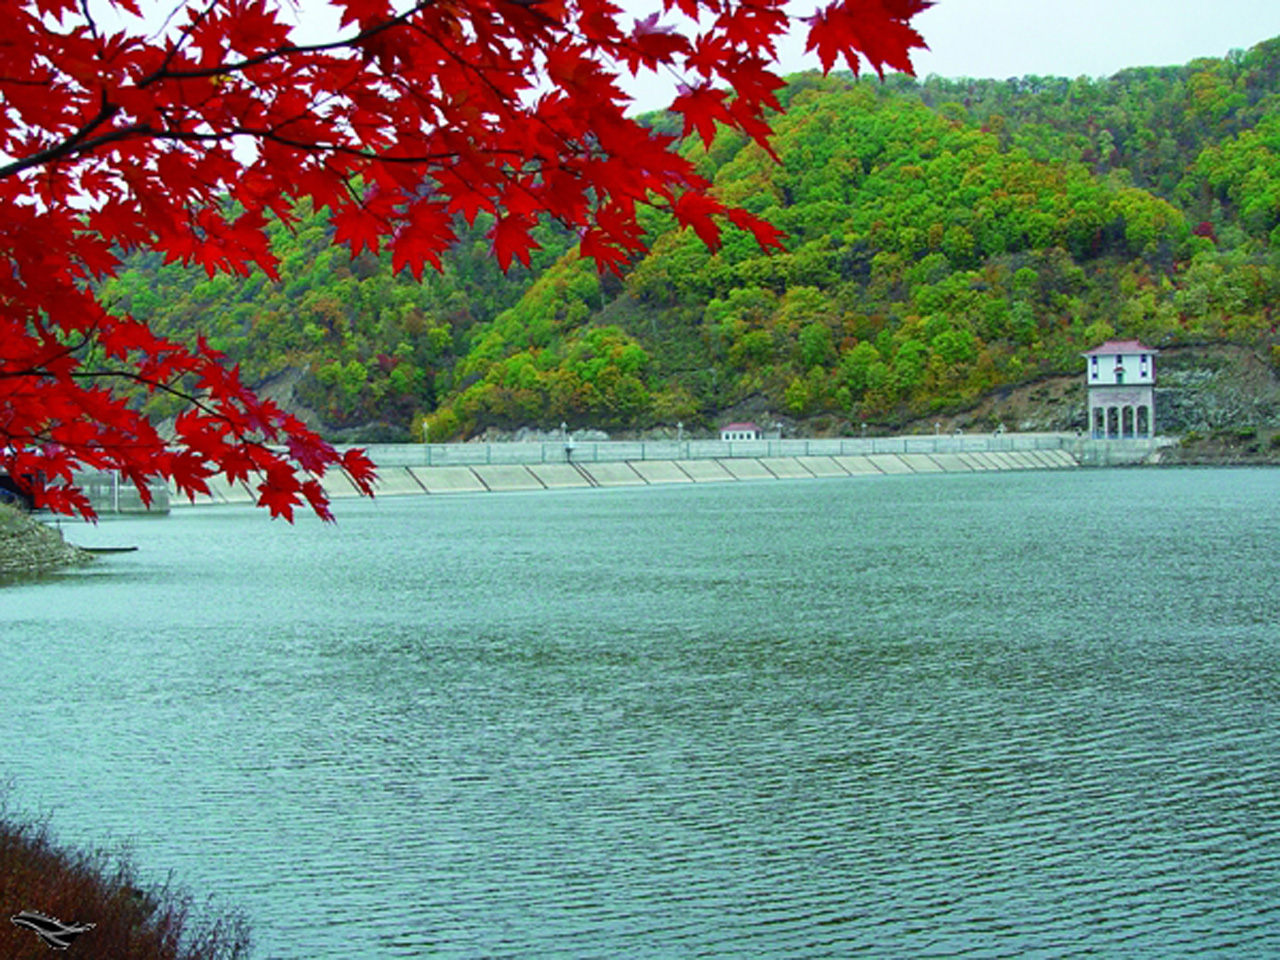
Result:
x=188 y=138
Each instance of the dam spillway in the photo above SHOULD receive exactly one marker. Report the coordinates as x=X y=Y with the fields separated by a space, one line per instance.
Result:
x=436 y=469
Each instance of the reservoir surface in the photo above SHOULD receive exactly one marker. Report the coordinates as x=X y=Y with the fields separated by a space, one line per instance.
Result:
x=1029 y=714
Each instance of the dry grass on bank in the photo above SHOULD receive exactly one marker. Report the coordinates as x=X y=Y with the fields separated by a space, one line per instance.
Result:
x=75 y=887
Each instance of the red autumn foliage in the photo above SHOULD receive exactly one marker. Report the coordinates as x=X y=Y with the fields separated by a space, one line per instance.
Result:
x=187 y=138
x=1205 y=229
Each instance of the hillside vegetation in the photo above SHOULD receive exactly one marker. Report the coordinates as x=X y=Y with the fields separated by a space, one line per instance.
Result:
x=947 y=238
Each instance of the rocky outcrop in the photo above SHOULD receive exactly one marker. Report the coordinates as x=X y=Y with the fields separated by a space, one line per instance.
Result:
x=27 y=546
x=1240 y=447
x=1205 y=389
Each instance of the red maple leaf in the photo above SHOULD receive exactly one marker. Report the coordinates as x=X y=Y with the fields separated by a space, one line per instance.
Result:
x=608 y=256
x=464 y=196
x=766 y=234
x=877 y=29
x=425 y=234
x=279 y=491
x=317 y=499
x=698 y=211
x=189 y=473
x=653 y=44
x=511 y=238
x=702 y=107
x=357 y=228
x=312 y=454
x=360 y=470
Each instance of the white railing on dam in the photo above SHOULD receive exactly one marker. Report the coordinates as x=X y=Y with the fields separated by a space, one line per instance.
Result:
x=108 y=492
x=614 y=451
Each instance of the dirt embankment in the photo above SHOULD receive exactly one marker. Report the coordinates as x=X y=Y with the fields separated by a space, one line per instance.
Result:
x=28 y=547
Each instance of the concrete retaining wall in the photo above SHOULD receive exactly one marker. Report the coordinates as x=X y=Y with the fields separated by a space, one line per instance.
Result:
x=705 y=471
x=475 y=468
x=554 y=476
x=406 y=469
x=497 y=477
x=747 y=469
x=502 y=477
x=661 y=471
x=445 y=479
x=621 y=451
x=612 y=474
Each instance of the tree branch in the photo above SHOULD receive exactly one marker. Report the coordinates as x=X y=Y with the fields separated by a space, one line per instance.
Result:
x=68 y=146
x=82 y=142
x=228 y=69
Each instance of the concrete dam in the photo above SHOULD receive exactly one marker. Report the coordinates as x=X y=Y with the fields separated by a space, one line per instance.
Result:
x=434 y=469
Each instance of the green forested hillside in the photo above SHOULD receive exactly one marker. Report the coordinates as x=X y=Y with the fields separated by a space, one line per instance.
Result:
x=945 y=238
x=376 y=348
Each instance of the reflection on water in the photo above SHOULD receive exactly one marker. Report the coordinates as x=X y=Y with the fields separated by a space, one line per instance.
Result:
x=984 y=716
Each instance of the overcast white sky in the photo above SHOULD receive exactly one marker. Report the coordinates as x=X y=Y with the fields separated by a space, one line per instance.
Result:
x=1003 y=38
x=1072 y=38
x=1012 y=38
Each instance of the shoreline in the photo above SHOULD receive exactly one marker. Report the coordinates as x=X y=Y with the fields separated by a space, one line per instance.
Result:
x=29 y=548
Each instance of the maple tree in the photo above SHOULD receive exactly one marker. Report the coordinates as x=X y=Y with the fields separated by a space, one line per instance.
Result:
x=188 y=138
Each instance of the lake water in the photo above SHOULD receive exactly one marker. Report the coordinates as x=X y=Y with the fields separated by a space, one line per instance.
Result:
x=1025 y=714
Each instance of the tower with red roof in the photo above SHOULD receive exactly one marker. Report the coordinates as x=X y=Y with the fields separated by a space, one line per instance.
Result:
x=1120 y=377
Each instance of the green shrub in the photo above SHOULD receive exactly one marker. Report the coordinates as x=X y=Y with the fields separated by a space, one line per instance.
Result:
x=441 y=426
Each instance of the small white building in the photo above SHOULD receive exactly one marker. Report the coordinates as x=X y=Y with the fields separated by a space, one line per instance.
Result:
x=1120 y=381
x=740 y=431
